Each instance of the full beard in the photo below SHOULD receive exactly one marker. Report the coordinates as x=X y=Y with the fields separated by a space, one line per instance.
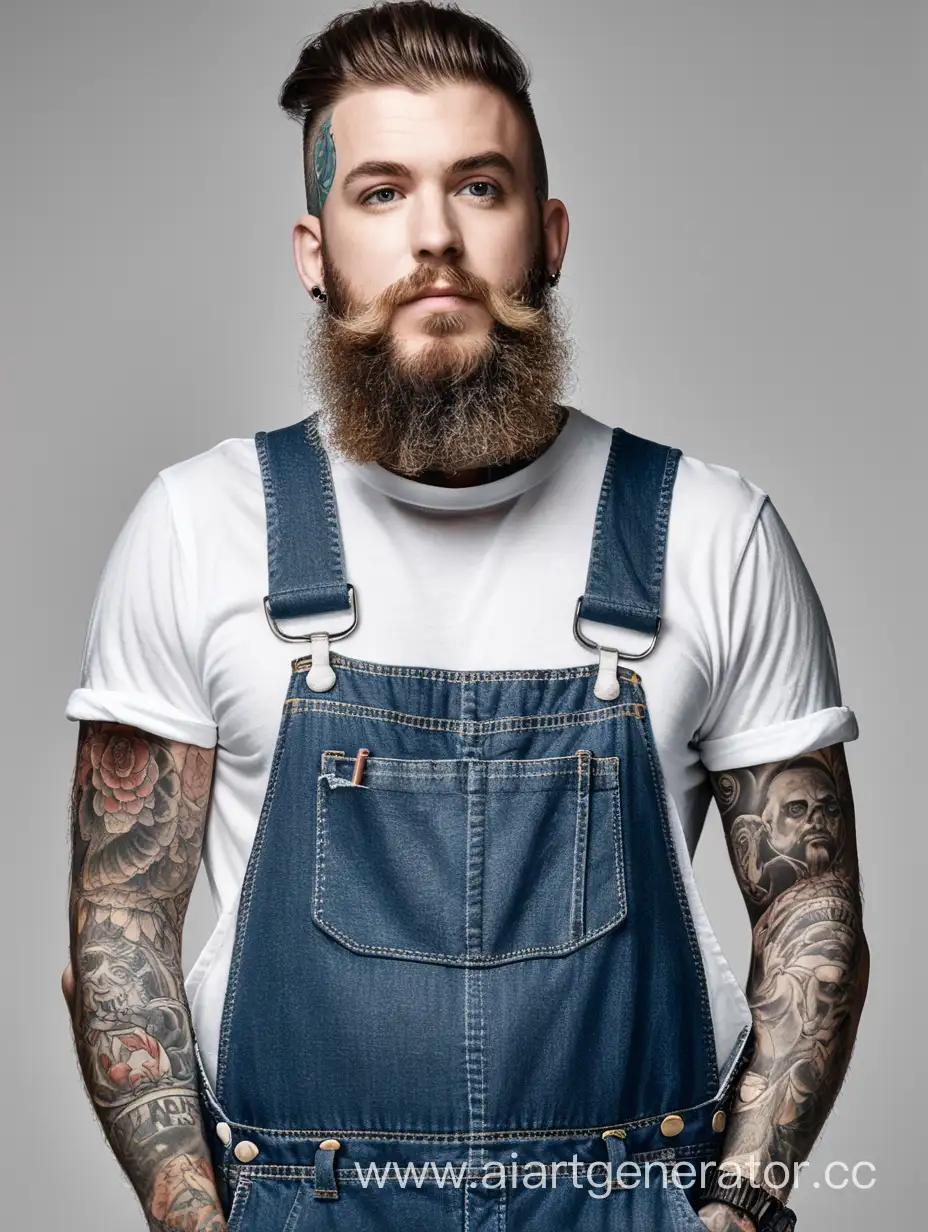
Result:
x=458 y=403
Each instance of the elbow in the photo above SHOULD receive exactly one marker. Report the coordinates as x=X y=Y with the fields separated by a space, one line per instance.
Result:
x=863 y=967
x=68 y=986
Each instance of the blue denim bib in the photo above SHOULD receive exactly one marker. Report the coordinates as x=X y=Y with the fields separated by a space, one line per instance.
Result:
x=466 y=985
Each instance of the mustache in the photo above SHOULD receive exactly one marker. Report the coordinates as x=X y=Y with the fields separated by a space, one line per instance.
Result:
x=507 y=305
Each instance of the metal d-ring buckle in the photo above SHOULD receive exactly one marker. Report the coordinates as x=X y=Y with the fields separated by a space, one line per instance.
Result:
x=585 y=641
x=305 y=637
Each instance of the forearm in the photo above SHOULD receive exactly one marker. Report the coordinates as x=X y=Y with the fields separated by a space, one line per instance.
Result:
x=807 y=988
x=134 y=1041
x=791 y=832
x=139 y=812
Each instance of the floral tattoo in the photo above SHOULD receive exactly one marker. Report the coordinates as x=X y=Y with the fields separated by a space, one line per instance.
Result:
x=138 y=819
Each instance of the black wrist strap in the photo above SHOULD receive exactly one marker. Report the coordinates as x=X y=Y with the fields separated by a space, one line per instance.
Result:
x=741 y=1193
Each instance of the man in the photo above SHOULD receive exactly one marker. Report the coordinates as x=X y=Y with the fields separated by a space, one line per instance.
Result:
x=458 y=926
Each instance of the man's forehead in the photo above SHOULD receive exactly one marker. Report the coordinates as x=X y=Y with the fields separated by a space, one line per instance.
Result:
x=442 y=124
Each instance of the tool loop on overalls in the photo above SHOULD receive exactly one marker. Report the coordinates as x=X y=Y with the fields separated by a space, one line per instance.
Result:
x=618 y=1154
x=326 y=1186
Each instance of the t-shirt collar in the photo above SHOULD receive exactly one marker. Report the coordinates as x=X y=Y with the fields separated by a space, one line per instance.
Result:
x=475 y=496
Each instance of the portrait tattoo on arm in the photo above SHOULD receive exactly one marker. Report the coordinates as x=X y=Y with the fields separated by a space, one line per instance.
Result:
x=138 y=815
x=322 y=167
x=791 y=836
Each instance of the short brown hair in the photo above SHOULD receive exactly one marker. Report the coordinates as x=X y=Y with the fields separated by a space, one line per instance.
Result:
x=415 y=44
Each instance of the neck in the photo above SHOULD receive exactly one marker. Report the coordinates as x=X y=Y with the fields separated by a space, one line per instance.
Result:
x=481 y=474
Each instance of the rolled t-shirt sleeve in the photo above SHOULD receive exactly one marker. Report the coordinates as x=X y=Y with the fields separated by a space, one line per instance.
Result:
x=139 y=657
x=779 y=694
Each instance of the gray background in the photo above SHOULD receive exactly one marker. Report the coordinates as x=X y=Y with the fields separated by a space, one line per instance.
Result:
x=746 y=274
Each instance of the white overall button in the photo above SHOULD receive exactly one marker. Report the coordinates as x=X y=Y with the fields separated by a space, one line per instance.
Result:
x=223 y=1133
x=320 y=677
x=245 y=1151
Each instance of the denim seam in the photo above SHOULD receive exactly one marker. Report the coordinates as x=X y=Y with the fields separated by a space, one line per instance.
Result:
x=475 y=727
x=311 y=588
x=605 y=492
x=606 y=774
x=618 y=844
x=708 y=1031
x=293 y=1217
x=487 y=1135
x=319 y=876
x=237 y=1209
x=466 y=960
x=661 y=521
x=307 y=1172
x=646 y=609
x=336 y=550
x=270 y=504
x=241 y=925
x=581 y=839
x=598 y=765
x=463 y=676
x=426 y=776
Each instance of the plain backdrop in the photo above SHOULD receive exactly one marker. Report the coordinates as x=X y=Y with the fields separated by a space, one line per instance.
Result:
x=746 y=279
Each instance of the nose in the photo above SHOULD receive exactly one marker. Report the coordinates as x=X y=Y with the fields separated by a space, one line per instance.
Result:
x=434 y=232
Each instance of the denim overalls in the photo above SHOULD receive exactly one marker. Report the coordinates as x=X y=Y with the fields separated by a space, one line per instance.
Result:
x=466 y=985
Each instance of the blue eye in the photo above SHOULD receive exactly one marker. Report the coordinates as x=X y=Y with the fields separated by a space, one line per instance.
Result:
x=375 y=199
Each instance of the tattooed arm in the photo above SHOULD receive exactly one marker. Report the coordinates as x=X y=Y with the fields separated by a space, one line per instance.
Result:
x=139 y=811
x=791 y=836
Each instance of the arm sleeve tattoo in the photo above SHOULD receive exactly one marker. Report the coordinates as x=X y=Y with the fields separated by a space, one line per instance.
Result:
x=791 y=837
x=138 y=817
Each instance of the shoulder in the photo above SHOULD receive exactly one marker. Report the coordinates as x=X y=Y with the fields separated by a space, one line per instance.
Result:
x=209 y=491
x=230 y=464
x=713 y=512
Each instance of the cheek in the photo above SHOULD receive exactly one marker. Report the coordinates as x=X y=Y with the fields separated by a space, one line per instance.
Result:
x=369 y=257
x=499 y=244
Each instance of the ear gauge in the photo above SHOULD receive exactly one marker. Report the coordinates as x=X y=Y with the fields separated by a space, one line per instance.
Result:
x=318 y=294
x=554 y=279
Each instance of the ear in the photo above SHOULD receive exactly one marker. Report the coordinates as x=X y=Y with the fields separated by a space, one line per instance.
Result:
x=307 y=251
x=555 y=227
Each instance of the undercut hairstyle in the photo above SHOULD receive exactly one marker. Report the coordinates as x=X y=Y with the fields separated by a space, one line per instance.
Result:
x=414 y=44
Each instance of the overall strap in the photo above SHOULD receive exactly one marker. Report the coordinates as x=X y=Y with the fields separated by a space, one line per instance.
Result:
x=306 y=567
x=623 y=585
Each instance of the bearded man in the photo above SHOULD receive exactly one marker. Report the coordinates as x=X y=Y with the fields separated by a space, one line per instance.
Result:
x=459 y=937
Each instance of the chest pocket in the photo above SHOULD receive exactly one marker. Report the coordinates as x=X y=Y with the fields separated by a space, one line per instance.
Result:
x=469 y=862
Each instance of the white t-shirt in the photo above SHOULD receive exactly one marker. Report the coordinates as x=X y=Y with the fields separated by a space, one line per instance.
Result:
x=484 y=577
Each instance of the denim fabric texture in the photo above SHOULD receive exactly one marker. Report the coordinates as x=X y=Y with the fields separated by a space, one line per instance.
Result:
x=480 y=956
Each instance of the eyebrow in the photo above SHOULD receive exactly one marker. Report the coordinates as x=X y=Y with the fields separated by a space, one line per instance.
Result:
x=475 y=162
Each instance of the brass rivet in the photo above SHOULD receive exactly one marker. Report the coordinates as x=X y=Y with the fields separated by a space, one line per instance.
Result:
x=330 y=1144
x=672 y=1125
x=613 y=1133
x=245 y=1151
x=223 y=1132
x=718 y=1121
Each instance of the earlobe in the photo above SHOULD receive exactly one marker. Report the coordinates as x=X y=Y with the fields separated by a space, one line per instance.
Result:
x=555 y=229
x=307 y=251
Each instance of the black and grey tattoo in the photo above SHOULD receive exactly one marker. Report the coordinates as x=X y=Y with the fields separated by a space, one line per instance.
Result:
x=139 y=809
x=790 y=829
